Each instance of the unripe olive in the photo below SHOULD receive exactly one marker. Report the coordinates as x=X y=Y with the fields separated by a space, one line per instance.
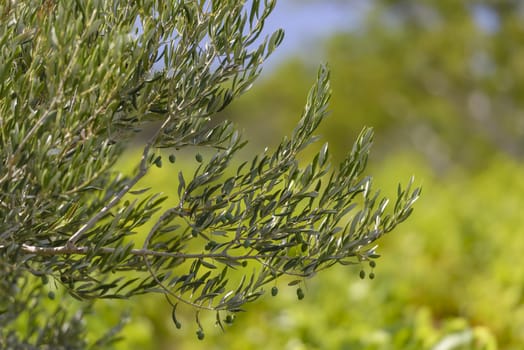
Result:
x=274 y=291
x=371 y=275
x=200 y=334
x=210 y=245
x=362 y=274
x=172 y=158
x=300 y=294
x=372 y=263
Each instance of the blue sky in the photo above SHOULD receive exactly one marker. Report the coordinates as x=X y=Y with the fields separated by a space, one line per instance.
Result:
x=307 y=22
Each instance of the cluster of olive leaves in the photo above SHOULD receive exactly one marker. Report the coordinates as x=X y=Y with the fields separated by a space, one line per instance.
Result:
x=77 y=79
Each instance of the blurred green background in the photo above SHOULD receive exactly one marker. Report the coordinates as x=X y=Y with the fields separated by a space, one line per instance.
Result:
x=442 y=83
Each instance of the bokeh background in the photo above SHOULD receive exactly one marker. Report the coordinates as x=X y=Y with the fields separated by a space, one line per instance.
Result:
x=442 y=84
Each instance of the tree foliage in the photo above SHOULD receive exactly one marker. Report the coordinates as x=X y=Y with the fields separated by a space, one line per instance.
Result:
x=77 y=80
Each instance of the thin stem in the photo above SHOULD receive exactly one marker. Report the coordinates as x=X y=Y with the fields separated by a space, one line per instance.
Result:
x=67 y=250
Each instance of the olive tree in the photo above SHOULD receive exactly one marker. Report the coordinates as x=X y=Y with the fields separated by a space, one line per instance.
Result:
x=77 y=80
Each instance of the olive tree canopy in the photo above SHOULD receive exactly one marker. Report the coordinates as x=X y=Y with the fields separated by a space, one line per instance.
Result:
x=77 y=80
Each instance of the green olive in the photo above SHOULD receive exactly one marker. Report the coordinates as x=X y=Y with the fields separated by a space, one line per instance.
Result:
x=300 y=294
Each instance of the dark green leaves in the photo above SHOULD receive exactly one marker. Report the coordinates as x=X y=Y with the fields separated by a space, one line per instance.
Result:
x=79 y=79
x=294 y=220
